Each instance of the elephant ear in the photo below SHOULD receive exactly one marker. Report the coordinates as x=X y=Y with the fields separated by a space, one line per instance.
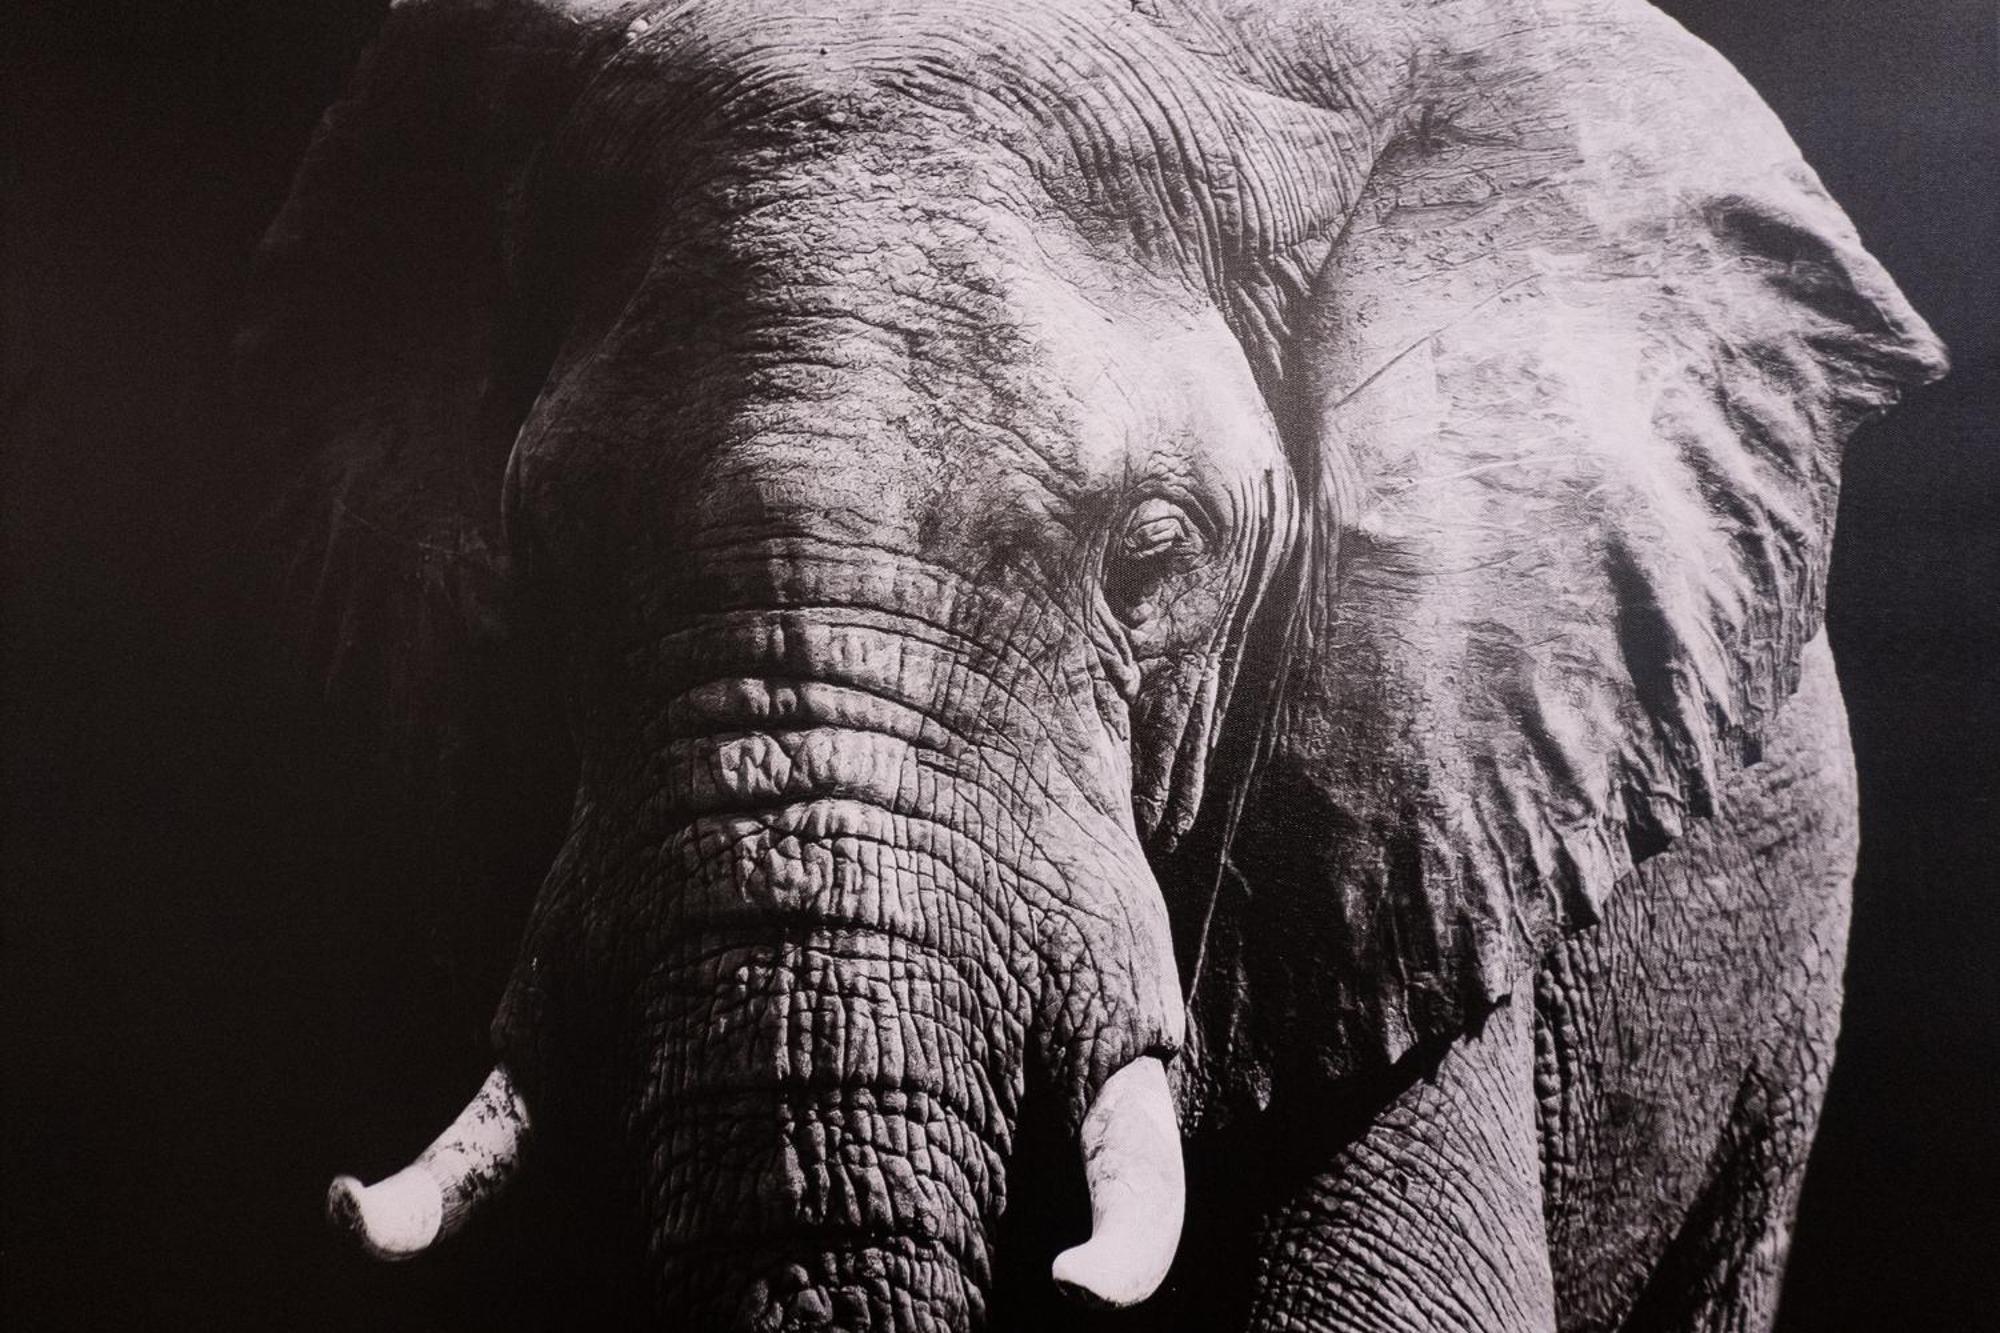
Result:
x=383 y=364
x=1574 y=384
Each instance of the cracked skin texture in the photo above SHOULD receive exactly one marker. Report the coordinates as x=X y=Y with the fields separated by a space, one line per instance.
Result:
x=1121 y=530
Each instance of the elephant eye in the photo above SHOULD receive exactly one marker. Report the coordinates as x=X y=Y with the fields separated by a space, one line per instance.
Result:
x=1161 y=543
x=1158 y=529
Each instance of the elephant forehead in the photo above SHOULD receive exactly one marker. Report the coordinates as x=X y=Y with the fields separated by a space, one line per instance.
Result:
x=1140 y=124
x=937 y=377
x=938 y=420
x=887 y=289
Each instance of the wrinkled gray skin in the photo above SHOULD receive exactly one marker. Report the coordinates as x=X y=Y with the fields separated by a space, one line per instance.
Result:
x=947 y=453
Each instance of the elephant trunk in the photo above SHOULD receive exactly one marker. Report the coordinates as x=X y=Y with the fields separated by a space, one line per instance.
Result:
x=813 y=928
x=831 y=1033
x=823 y=1130
x=866 y=936
x=851 y=1175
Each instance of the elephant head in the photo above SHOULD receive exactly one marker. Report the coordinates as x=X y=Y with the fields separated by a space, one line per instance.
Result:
x=1083 y=541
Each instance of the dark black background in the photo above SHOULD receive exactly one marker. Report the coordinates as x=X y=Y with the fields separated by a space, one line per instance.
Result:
x=203 y=1017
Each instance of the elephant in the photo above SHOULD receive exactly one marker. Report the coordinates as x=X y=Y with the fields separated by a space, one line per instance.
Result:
x=1189 y=634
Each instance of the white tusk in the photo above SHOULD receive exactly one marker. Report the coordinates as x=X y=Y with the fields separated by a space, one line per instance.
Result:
x=1138 y=1195
x=429 y=1199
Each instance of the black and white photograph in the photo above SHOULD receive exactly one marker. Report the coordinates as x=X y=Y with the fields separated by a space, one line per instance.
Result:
x=1000 y=666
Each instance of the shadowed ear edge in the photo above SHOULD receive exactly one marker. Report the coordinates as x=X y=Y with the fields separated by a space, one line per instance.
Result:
x=381 y=367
